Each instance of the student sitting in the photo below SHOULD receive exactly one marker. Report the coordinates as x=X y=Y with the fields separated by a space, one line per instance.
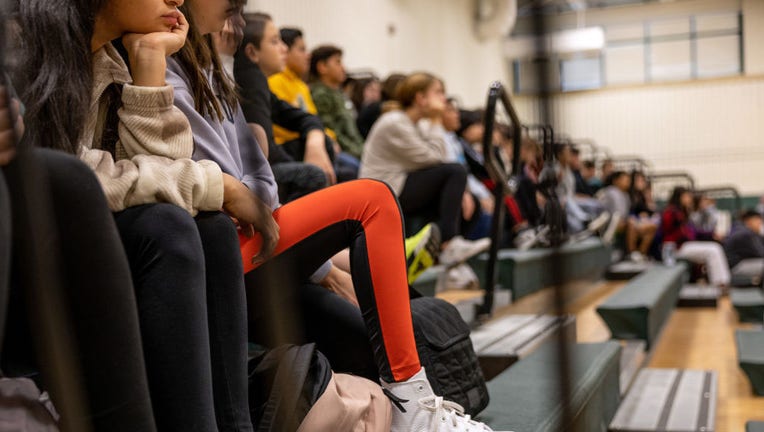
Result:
x=745 y=248
x=369 y=114
x=639 y=233
x=677 y=229
x=303 y=234
x=412 y=161
x=327 y=75
x=182 y=250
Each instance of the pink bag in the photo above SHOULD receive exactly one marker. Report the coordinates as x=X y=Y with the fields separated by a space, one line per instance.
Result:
x=349 y=404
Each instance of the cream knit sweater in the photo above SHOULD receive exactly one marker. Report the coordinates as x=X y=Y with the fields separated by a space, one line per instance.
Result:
x=153 y=156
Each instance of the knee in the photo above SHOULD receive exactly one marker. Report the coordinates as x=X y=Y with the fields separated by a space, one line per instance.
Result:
x=170 y=232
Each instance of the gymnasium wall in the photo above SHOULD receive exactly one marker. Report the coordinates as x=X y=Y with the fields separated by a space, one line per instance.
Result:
x=712 y=128
x=400 y=36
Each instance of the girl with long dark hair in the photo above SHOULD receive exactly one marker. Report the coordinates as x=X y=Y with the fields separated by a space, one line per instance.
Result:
x=677 y=229
x=361 y=214
x=182 y=250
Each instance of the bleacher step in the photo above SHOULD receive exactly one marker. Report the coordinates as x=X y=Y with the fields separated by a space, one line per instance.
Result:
x=466 y=301
x=502 y=342
x=632 y=358
x=626 y=270
x=749 y=304
x=699 y=296
x=750 y=354
x=754 y=426
x=670 y=400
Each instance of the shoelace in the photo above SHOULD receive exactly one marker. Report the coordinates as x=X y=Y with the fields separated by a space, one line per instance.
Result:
x=446 y=410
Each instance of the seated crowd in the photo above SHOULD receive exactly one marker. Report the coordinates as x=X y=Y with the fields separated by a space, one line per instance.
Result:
x=221 y=186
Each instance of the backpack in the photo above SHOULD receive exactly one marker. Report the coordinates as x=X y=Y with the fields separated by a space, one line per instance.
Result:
x=24 y=409
x=292 y=388
x=446 y=352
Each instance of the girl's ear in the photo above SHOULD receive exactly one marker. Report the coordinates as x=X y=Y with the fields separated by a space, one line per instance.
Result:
x=251 y=53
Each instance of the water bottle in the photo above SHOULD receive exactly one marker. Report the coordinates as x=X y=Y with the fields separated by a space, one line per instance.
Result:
x=669 y=253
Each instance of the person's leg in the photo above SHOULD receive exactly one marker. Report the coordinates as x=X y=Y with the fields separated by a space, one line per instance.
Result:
x=227 y=317
x=167 y=263
x=646 y=234
x=712 y=255
x=99 y=294
x=364 y=215
x=632 y=234
x=325 y=316
x=297 y=179
x=440 y=186
x=750 y=269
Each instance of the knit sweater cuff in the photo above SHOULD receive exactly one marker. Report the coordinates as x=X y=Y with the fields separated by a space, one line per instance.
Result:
x=155 y=98
x=213 y=199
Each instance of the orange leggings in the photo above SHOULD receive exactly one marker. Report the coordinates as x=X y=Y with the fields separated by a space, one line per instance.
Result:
x=363 y=215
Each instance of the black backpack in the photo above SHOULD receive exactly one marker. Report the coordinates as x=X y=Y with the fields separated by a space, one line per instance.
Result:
x=446 y=352
x=284 y=384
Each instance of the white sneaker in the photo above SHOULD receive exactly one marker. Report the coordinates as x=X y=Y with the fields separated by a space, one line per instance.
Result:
x=609 y=234
x=417 y=409
x=461 y=277
x=637 y=257
x=530 y=237
x=460 y=250
x=599 y=222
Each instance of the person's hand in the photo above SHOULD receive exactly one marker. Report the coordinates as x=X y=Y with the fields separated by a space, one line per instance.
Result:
x=251 y=215
x=148 y=52
x=11 y=126
x=227 y=41
x=340 y=283
x=315 y=154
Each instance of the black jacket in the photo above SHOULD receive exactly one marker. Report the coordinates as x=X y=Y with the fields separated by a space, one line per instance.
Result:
x=263 y=107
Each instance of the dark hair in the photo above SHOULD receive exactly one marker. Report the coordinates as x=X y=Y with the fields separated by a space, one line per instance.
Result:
x=574 y=151
x=468 y=118
x=290 y=35
x=56 y=69
x=615 y=175
x=750 y=214
x=321 y=54
x=676 y=197
x=559 y=147
x=196 y=57
x=254 y=29
x=589 y=164
x=358 y=91
x=390 y=86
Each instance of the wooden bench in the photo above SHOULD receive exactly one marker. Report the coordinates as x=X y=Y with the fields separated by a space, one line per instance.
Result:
x=525 y=272
x=750 y=355
x=526 y=397
x=502 y=342
x=641 y=307
x=669 y=400
x=749 y=304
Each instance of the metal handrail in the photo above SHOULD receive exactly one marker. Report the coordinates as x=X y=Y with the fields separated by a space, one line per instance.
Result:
x=724 y=191
x=673 y=175
x=505 y=185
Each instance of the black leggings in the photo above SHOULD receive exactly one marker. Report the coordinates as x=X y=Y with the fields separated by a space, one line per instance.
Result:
x=192 y=308
x=98 y=292
x=436 y=194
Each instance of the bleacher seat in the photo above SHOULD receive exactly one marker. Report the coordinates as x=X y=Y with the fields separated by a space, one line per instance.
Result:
x=502 y=342
x=669 y=400
x=749 y=304
x=525 y=272
x=750 y=355
x=754 y=426
x=526 y=397
x=641 y=307
x=427 y=282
